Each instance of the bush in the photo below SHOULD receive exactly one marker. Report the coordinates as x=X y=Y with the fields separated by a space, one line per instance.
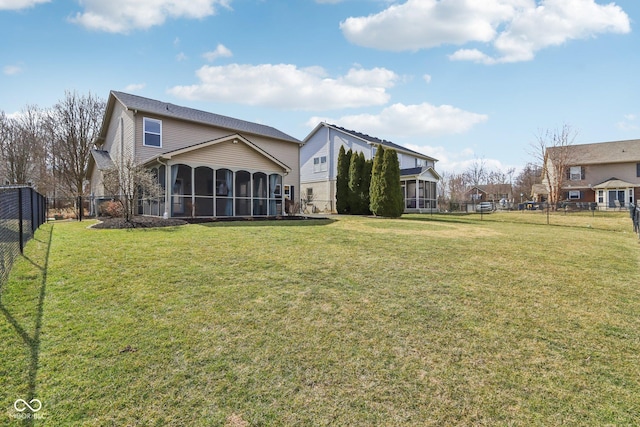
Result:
x=112 y=209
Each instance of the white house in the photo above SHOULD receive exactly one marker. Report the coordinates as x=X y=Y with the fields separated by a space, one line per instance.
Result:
x=319 y=168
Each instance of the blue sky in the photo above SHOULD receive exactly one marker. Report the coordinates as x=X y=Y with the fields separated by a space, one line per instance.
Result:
x=459 y=80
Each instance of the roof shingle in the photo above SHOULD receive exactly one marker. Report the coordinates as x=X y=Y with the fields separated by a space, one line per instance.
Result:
x=135 y=102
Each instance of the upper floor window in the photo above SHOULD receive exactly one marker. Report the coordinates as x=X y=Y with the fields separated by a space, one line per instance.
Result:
x=638 y=170
x=320 y=164
x=152 y=132
x=575 y=173
x=421 y=162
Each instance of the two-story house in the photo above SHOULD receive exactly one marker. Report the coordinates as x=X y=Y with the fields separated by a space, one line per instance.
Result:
x=607 y=173
x=207 y=164
x=319 y=168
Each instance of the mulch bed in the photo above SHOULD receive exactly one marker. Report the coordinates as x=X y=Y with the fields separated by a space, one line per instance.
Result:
x=154 y=221
x=138 y=222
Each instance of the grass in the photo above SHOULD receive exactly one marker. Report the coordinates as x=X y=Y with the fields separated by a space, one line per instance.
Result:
x=424 y=320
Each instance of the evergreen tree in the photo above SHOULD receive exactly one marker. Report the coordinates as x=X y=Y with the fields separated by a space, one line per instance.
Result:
x=366 y=186
x=342 y=181
x=375 y=188
x=355 y=183
x=394 y=203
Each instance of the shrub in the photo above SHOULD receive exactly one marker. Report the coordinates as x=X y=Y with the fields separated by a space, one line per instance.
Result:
x=112 y=208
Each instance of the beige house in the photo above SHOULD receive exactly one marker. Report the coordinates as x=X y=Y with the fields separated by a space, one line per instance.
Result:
x=208 y=165
x=606 y=173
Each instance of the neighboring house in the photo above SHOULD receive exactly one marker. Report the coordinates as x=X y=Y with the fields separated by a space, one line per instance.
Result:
x=607 y=173
x=490 y=193
x=477 y=194
x=319 y=168
x=539 y=193
x=208 y=165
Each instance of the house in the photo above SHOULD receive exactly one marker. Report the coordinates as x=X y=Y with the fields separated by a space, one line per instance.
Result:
x=319 y=168
x=605 y=173
x=208 y=165
x=490 y=193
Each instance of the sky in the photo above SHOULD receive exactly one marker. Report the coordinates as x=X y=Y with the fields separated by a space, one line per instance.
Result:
x=459 y=80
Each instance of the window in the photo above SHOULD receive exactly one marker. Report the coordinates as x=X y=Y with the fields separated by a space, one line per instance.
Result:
x=600 y=196
x=576 y=173
x=638 y=170
x=574 y=195
x=152 y=132
x=420 y=163
x=320 y=164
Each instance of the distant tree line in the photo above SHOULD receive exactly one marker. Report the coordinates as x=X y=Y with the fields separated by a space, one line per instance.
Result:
x=453 y=186
x=50 y=148
x=365 y=187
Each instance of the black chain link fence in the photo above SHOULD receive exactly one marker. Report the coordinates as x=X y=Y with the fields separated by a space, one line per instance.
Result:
x=634 y=212
x=22 y=211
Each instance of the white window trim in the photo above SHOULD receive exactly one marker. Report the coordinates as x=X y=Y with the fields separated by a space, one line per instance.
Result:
x=575 y=173
x=573 y=193
x=145 y=132
x=320 y=164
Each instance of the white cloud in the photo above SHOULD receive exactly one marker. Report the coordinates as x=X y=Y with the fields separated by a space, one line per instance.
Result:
x=629 y=122
x=472 y=55
x=427 y=78
x=289 y=87
x=19 y=4
x=456 y=161
x=516 y=29
x=12 y=70
x=122 y=16
x=181 y=57
x=135 y=87
x=399 y=120
x=220 y=52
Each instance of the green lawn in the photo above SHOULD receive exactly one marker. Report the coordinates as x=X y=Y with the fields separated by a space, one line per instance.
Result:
x=424 y=320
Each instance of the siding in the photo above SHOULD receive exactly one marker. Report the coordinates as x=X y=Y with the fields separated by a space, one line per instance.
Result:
x=228 y=155
x=595 y=174
x=177 y=134
x=120 y=133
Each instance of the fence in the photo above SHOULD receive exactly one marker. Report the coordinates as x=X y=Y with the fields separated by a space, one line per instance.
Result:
x=634 y=211
x=22 y=211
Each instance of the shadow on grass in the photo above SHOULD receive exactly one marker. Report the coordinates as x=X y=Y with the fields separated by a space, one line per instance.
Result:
x=32 y=341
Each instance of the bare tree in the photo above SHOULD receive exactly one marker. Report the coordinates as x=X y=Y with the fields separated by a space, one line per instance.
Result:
x=530 y=175
x=21 y=146
x=552 y=149
x=75 y=123
x=129 y=181
x=476 y=173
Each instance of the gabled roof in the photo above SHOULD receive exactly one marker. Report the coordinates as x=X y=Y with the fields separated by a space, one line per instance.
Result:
x=235 y=138
x=614 y=183
x=371 y=140
x=417 y=171
x=165 y=109
x=603 y=152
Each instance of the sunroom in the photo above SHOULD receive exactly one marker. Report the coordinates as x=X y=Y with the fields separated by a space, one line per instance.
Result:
x=229 y=177
x=614 y=193
x=419 y=187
